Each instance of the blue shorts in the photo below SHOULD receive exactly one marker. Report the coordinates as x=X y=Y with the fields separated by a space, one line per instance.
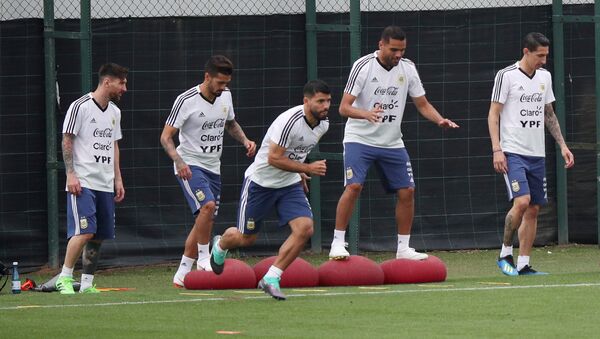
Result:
x=204 y=186
x=256 y=202
x=92 y=212
x=526 y=176
x=393 y=165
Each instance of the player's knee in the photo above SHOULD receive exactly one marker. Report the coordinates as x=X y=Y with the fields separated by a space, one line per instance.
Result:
x=354 y=188
x=248 y=239
x=406 y=195
x=209 y=207
x=86 y=236
x=522 y=203
x=304 y=229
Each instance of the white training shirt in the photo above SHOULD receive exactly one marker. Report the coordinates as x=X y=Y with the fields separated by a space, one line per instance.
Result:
x=95 y=131
x=292 y=131
x=522 y=117
x=373 y=85
x=201 y=125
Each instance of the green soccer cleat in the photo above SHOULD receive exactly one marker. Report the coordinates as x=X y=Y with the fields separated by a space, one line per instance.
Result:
x=65 y=285
x=91 y=289
x=217 y=258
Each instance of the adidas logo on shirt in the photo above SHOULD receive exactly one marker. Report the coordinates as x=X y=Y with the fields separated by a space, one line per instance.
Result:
x=521 y=88
x=374 y=79
x=301 y=138
x=93 y=121
x=202 y=114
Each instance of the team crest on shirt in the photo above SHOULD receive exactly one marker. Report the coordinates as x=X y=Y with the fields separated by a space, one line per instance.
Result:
x=542 y=87
x=349 y=173
x=113 y=121
x=401 y=79
x=250 y=224
x=515 y=186
x=83 y=223
x=200 y=195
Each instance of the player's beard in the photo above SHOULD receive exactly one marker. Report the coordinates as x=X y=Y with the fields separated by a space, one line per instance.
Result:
x=317 y=115
x=115 y=97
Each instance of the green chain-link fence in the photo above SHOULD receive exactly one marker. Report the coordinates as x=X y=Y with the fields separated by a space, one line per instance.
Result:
x=457 y=46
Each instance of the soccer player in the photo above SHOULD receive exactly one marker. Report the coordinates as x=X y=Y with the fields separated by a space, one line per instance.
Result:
x=374 y=101
x=276 y=180
x=201 y=115
x=90 y=148
x=521 y=106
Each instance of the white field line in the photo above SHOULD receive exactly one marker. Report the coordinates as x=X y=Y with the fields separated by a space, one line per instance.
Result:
x=302 y=295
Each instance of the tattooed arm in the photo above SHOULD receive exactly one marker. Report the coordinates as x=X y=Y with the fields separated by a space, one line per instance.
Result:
x=235 y=130
x=73 y=184
x=553 y=127
x=166 y=140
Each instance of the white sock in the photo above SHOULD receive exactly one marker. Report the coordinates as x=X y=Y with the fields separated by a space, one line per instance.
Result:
x=66 y=272
x=185 y=266
x=217 y=247
x=274 y=272
x=86 y=281
x=339 y=237
x=522 y=261
x=403 y=241
x=506 y=250
x=203 y=251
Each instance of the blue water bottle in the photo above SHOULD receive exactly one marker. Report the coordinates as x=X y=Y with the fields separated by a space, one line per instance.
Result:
x=16 y=283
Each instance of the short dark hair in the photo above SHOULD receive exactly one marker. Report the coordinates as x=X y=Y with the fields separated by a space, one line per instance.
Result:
x=316 y=86
x=218 y=64
x=534 y=40
x=392 y=32
x=112 y=70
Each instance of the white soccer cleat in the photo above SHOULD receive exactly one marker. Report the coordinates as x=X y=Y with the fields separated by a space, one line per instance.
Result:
x=178 y=280
x=339 y=252
x=204 y=264
x=410 y=254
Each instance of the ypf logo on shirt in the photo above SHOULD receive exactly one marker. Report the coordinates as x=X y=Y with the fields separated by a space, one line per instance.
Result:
x=542 y=87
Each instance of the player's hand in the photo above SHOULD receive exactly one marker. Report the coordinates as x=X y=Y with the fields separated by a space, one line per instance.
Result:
x=73 y=184
x=447 y=123
x=500 y=164
x=250 y=148
x=318 y=167
x=374 y=114
x=119 y=190
x=183 y=170
x=305 y=180
x=568 y=156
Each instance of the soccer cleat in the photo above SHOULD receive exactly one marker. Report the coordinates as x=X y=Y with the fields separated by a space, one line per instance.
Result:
x=507 y=266
x=527 y=270
x=91 y=289
x=339 y=252
x=204 y=264
x=178 y=280
x=217 y=260
x=271 y=287
x=410 y=254
x=64 y=285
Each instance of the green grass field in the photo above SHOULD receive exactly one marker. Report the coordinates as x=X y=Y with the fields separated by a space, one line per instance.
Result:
x=476 y=300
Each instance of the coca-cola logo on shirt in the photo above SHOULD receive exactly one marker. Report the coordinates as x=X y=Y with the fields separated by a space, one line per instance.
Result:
x=392 y=90
x=219 y=123
x=103 y=133
x=535 y=97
